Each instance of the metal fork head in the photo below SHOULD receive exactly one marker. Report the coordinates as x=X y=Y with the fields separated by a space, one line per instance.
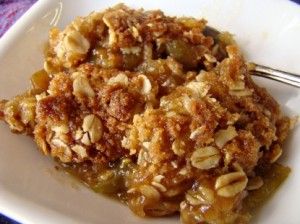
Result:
x=274 y=74
x=261 y=70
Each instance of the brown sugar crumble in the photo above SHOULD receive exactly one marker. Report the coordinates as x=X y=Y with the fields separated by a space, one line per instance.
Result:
x=152 y=110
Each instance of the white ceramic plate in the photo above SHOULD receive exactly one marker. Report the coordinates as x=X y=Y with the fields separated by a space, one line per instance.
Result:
x=32 y=191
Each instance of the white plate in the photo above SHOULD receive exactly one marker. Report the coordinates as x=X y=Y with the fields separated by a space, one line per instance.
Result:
x=32 y=191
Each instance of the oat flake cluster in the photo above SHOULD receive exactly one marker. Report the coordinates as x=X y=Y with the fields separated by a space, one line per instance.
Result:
x=153 y=110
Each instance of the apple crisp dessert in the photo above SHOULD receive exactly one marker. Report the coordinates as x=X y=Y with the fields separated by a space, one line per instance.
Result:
x=155 y=111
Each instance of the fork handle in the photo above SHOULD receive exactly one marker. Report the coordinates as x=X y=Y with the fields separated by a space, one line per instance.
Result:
x=274 y=74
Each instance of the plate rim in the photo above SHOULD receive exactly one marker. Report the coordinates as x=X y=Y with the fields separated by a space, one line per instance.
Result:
x=8 y=38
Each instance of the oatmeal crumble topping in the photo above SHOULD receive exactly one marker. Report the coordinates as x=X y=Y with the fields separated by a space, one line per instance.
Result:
x=151 y=109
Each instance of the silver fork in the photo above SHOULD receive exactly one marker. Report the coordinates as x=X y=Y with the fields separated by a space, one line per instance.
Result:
x=261 y=70
x=274 y=74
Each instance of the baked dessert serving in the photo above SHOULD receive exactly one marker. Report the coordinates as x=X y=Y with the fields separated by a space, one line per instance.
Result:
x=156 y=112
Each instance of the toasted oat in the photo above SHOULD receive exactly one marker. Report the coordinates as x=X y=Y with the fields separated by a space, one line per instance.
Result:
x=86 y=139
x=200 y=89
x=159 y=186
x=149 y=192
x=120 y=78
x=202 y=196
x=275 y=153
x=210 y=58
x=225 y=135
x=78 y=134
x=146 y=84
x=80 y=150
x=93 y=126
x=81 y=87
x=206 y=158
x=198 y=131
x=228 y=185
x=178 y=147
x=75 y=42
